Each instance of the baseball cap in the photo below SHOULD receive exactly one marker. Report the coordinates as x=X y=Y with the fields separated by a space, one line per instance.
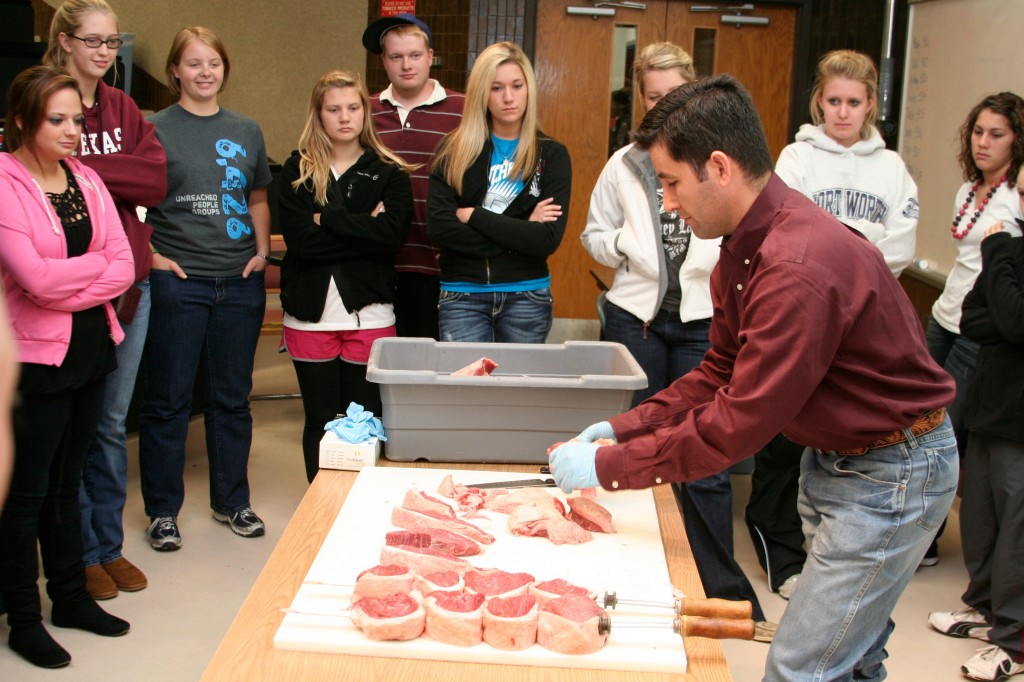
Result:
x=375 y=32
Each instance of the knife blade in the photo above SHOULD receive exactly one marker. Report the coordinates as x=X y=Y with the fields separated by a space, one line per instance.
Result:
x=524 y=483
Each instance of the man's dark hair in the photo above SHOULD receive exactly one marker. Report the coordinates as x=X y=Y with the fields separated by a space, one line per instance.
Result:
x=707 y=115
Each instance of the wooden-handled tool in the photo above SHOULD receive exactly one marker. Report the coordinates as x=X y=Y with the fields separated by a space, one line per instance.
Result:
x=686 y=606
x=689 y=626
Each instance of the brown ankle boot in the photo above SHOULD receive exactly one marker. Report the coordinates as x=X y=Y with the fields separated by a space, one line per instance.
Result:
x=125 y=575
x=99 y=584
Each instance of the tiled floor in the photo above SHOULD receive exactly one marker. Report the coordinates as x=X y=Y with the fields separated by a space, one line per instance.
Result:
x=178 y=621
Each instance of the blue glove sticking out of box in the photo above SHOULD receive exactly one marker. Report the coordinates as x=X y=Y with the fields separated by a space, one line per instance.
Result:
x=357 y=426
x=573 y=466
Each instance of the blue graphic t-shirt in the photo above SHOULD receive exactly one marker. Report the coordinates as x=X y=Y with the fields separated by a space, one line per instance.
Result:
x=501 y=189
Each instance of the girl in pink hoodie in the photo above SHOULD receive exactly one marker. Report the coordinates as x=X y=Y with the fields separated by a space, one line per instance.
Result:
x=63 y=257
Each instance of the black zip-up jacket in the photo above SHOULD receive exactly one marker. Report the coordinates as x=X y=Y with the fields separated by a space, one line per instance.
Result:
x=356 y=249
x=993 y=315
x=499 y=247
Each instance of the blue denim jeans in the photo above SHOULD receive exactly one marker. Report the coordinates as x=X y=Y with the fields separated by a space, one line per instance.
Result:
x=105 y=477
x=868 y=520
x=666 y=350
x=958 y=355
x=213 y=325
x=502 y=317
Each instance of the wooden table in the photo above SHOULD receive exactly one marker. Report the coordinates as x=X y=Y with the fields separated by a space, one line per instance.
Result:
x=247 y=651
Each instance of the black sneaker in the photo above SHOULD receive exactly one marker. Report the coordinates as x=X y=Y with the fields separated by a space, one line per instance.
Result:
x=163 y=534
x=243 y=522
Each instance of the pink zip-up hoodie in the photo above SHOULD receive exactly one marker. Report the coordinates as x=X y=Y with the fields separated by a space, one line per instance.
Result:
x=42 y=286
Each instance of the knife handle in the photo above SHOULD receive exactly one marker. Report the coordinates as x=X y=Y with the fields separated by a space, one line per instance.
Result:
x=716 y=628
x=716 y=608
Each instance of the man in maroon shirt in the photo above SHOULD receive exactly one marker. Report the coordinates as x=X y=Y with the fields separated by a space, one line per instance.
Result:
x=811 y=337
x=411 y=116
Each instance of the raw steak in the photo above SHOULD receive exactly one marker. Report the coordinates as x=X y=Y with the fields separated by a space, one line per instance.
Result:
x=382 y=580
x=504 y=504
x=544 y=520
x=510 y=623
x=435 y=538
x=455 y=618
x=590 y=515
x=422 y=520
x=448 y=581
x=394 y=617
x=417 y=500
x=423 y=561
x=492 y=582
x=481 y=368
x=552 y=589
x=568 y=625
x=470 y=500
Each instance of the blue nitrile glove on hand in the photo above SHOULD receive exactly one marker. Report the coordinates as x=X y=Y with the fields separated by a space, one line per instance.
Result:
x=573 y=466
x=357 y=426
x=595 y=431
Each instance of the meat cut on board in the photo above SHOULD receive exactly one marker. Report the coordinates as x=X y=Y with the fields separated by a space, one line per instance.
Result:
x=632 y=562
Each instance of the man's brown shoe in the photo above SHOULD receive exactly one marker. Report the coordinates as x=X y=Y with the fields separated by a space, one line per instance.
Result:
x=99 y=584
x=125 y=575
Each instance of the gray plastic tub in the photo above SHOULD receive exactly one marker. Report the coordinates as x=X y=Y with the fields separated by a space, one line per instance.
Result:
x=539 y=394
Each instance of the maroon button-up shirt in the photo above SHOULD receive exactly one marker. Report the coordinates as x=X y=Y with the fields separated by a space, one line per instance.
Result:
x=811 y=337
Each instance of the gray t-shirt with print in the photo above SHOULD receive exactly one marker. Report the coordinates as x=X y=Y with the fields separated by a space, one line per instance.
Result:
x=213 y=164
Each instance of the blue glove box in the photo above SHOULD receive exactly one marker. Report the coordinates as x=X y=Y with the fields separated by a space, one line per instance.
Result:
x=540 y=394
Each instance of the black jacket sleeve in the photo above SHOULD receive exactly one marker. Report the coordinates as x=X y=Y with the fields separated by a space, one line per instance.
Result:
x=521 y=235
x=444 y=228
x=344 y=234
x=993 y=310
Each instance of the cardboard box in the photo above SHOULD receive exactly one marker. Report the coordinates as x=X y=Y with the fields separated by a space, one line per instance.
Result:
x=539 y=394
x=338 y=454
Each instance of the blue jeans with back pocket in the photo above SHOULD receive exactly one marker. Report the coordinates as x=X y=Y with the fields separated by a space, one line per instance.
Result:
x=868 y=520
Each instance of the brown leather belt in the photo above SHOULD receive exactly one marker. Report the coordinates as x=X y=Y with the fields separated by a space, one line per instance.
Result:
x=925 y=423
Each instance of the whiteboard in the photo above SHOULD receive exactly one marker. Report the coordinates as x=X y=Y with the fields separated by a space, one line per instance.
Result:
x=958 y=51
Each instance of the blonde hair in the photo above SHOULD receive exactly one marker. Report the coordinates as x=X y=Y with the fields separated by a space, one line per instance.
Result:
x=855 y=66
x=316 y=151
x=178 y=45
x=69 y=18
x=462 y=146
x=404 y=30
x=663 y=57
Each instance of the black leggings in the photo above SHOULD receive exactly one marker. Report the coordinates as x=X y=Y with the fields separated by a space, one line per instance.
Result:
x=327 y=389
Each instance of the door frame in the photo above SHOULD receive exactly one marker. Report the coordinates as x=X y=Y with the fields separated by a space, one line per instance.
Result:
x=800 y=89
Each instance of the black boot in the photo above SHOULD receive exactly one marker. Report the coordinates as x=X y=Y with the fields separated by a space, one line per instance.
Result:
x=61 y=548
x=19 y=573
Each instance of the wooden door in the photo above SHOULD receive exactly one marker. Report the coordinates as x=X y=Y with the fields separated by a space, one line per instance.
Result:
x=574 y=64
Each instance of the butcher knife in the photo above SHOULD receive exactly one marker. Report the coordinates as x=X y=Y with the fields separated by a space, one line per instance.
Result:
x=525 y=483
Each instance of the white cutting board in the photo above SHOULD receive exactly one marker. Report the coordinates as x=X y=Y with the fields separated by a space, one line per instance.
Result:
x=630 y=562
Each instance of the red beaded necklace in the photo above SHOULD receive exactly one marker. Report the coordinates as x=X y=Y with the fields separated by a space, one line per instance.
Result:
x=977 y=213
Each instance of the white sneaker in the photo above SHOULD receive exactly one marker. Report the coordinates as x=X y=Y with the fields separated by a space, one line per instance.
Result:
x=963 y=623
x=991 y=663
x=786 y=588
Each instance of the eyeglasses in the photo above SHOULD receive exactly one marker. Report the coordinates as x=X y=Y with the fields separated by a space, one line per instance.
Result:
x=93 y=43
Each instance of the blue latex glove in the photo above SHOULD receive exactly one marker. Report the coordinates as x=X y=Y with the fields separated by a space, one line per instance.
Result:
x=595 y=431
x=358 y=425
x=573 y=466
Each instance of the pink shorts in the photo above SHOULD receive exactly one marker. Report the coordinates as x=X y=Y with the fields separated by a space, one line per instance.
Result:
x=349 y=345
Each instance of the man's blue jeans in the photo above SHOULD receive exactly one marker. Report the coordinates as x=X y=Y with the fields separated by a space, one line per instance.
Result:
x=105 y=477
x=502 y=317
x=868 y=520
x=212 y=324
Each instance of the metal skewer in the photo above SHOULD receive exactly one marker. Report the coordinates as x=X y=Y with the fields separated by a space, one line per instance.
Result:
x=340 y=613
x=688 y=626
x=682 y=606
